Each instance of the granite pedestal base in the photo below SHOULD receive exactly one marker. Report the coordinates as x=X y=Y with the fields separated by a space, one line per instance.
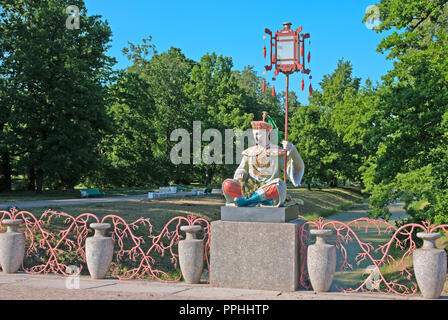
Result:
x=262 y=214
x=255 y=255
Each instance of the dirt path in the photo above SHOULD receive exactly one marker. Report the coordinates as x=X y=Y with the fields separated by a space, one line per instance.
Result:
x=359 y=210
x=354 y=278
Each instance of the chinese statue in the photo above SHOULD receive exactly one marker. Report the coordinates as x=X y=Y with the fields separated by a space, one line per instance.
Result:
x=258 y=179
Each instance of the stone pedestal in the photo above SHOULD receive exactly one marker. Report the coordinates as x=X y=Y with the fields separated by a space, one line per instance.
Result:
x=261 y=214
x=255 y=255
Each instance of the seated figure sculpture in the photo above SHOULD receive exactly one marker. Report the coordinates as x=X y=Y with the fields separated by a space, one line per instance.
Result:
x=258 y=181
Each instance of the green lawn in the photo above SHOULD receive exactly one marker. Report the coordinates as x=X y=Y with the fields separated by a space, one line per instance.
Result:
x=17 y=196
x=325 y=202
x=161 y=211
x=317 y=202
x=64 y=194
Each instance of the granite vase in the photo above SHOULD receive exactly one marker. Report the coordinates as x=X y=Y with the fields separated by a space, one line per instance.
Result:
x=99 y=251
x=191 y=255
x=12 y=246
x=430 y=266
x=321 y=261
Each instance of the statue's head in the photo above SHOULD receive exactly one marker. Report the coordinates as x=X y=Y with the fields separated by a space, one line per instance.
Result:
x=261 y=131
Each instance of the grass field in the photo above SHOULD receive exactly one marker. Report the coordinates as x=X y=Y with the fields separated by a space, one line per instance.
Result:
x=17 y=196
x=161 y=211
x=317 y=202
x=322 y=202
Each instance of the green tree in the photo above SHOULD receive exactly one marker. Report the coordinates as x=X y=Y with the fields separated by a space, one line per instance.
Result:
x=148 y=104
x=319 y=130
x=56 y=81
x=410 y=124
x=128 y=151
x=218 y=101
x=311 y=137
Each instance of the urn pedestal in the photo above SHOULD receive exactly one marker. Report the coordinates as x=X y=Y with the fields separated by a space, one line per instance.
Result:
x=12 y=246
x=191 y=255
x=99 y=251
x=430 y=266
x=321 y=261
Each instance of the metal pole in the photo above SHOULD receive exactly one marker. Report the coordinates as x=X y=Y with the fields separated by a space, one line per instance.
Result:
x=286 y=123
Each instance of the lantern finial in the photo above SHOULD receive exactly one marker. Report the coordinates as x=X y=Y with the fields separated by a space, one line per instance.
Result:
x=287 y=25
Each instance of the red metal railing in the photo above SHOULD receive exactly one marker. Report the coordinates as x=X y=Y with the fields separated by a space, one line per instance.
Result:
x=401 y=238
x=52 y=246
x=137 y=247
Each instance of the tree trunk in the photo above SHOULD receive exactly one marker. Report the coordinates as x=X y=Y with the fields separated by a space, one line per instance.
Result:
x=334 y=182
x=167 y=137
x=6 y=171
x=208 y=176
x=309 y=186
x=31 y=179
x=40 y=179
x=362 y=185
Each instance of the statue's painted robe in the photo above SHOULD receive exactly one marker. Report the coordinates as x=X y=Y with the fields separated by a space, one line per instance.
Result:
x=266 y=166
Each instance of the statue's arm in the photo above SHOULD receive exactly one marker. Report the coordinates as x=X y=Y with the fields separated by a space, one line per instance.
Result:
x=241 y=172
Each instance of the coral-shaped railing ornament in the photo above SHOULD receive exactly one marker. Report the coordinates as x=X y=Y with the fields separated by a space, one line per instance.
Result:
x=49 y=242
x=402 y=238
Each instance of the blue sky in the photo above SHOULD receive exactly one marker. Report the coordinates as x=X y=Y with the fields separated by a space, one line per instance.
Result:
x=236 y=28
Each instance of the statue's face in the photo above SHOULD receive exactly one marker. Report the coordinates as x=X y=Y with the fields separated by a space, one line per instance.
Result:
x=261 y=137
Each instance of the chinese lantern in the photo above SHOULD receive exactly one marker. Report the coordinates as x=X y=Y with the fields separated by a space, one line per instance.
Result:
x=303 y=84
x=311 y=89
x=302 y=51
x=273 y=91
x=264 y=85
x=264 y=51
x=309 y=57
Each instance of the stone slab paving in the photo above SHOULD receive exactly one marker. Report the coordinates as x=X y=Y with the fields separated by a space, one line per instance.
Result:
x=53 y=287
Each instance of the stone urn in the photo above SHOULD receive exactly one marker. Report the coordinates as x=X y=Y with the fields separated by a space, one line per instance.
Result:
x=99 y=251
x=321 y=261
x=430 y=266
x=12 y=246
x=191 y=255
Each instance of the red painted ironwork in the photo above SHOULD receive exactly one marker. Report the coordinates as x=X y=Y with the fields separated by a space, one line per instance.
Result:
x=49 y=242
x=70 y=236
x=402 y=238
x=289 y=65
